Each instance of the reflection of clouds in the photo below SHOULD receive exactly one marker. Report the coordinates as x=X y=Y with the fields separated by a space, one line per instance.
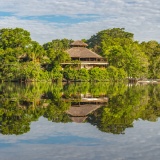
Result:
x=44 y=128
x=141 y=142
x=138 y=17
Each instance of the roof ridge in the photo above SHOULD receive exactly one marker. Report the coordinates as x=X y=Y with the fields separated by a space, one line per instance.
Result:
x=79 y=43
x=82 y=52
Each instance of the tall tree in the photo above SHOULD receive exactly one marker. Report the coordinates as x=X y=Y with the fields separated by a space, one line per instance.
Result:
x=110 y=37
x=14 y=38
x=121 y=50
x=152 y=50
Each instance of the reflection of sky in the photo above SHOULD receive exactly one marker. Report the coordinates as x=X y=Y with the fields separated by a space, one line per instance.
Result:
x=49 y=141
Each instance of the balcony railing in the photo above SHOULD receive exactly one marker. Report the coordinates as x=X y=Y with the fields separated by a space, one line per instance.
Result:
x=85 y=62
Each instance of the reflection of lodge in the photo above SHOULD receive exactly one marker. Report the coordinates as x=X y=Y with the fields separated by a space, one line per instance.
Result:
x=78 y=113
x=83 y=105
x=86 y=98
x=86 y=58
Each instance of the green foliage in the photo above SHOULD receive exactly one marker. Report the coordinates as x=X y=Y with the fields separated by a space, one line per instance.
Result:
x=74 y=89
x=94 y=74
x=55 y=73
x=58 y=44
x=14 y=38
x=35 y=52
x=56 y=50
x=121 y=51
x=98 y=74
x=152 y=50
x=116 y=74
x=113 y=73
x=82 y=75
x=8 y=71
x=110 y=37
x=70 y=74
x=95 y=89
x=30 y=71
x=22 y=104
x=122 y=110
x=56 y=113
x=126 y=57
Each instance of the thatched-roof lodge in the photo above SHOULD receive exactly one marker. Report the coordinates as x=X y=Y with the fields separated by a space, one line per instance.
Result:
x=82 y=110
x=86 y=98
x=83 y=105
x=78 y=113
x=86 y=57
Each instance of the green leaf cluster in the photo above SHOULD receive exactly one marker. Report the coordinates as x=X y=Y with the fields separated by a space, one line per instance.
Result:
x=22 y=59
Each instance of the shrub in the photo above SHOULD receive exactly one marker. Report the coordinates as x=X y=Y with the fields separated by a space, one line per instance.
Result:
x=98 y=74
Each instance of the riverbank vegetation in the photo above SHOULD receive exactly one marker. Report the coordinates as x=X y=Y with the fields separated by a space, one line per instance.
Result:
x=22 y=59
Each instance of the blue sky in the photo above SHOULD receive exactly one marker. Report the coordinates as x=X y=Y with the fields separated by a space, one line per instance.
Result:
x=76 y=19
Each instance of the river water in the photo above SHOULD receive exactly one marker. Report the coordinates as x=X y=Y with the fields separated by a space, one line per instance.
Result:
x=81 y=121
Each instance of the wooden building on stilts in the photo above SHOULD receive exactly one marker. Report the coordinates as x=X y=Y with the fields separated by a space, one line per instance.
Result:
x=86 y=58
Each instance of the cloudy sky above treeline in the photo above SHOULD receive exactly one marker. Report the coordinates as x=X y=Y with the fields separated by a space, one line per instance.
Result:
x=77 y=19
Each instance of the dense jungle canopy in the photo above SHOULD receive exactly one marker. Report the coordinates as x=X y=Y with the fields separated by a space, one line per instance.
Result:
x=22 y=59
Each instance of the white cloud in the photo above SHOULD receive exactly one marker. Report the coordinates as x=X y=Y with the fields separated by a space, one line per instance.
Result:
x=141 y=17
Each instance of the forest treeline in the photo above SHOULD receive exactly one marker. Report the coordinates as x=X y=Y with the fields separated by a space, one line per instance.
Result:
x=22 y=59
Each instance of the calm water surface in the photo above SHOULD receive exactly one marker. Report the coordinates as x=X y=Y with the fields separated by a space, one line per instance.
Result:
x=79 y=121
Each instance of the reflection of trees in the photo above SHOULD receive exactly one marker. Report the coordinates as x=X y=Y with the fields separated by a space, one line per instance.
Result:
x=56 y=112
x=95 y=89
x=109 y=122
x=85 y=98
x=15 y=120
x=22 y=104
x=16 y=115
x=121 y=111
x=152 y=111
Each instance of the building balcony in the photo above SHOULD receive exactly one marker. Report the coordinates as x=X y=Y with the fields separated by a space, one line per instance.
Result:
x=87 y=62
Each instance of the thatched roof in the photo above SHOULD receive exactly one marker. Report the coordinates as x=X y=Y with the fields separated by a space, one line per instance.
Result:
x=82 y=110
x=86 y=100
x=79 y=50
x=78 y=119
x=79 y=44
